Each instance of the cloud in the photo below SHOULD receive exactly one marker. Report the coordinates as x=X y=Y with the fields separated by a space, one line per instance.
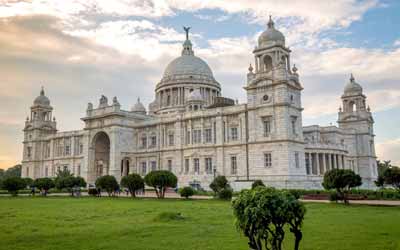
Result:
x=389 y=150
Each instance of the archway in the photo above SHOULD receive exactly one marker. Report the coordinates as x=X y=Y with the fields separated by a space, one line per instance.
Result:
x=267 y=63
x=125 y=164
x=101 y=145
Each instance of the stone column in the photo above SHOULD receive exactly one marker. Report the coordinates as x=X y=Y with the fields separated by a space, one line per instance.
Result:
x=317 y=158
x=334 y=161
x=324 y=162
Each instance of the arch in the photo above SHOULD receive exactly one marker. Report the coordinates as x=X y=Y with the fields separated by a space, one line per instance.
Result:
x=267 y=63
x=352 y=106
x=101 y=145
x=125 y=165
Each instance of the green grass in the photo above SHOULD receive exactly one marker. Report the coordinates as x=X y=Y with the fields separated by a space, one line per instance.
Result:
x=122 y=223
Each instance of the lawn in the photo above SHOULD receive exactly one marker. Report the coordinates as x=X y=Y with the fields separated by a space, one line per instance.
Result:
x=122 y=223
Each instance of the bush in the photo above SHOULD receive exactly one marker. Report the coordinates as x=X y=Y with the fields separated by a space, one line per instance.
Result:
x=107 y=183
x=257 y=183
x=44 y=184
x=93 y=192
x=219 y=183
x=13 y=185
x=225 y=194
x=132 y=182
x=341 y=180
x=187 y=192
x=392 y=177
x=69 y=183
x=161 y=180
x=28 y=182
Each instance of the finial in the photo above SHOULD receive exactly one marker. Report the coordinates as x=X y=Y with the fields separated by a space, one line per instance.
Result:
x=54 y=118
x=294 y=69
x=42 y=91
x=270 y=22
x=138 y=99
x=368 y=109
x=27 y=118
x=251 y=68
x=340 y=109
x=187 y=32
x=351 y=77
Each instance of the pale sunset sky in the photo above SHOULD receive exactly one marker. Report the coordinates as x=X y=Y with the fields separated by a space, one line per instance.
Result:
x=81 y=49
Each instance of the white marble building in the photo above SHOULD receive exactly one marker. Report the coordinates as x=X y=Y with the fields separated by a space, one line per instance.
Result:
x=192 y=131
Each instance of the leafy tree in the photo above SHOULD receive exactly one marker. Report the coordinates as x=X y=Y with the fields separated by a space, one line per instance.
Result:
x=44 y=184
x=160 y=180
x=187 y=192
x=13 y=171
x=219 y=183
x=392 y=177
x=107 y=183
x=225 y=194
x=63 y=173
x=69 y=182
x=262 y=214
x=13 y=185
x=28 y=182
x=257 y=183
x=133 y=183
x=341 y=180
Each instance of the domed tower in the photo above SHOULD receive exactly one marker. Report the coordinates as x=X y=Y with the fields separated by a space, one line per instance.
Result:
x=356 y=118
x=182 y=76
x=139 y=108
x=38 y=126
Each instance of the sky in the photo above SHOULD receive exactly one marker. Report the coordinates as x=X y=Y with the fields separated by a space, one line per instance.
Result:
x=81 y=49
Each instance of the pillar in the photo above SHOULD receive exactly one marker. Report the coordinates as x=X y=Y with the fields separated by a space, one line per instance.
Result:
x=317 y=161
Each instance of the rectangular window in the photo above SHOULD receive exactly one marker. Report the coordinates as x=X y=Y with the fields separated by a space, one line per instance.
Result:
x=80 y=149
x=46 y=172
x=296 y=159
x=144 y=168
x=233 y=165
x=188 y=137
x=207 y=135
x=196 y=165
x=234 y=134
x=267 y=127
x=267 y=160
x=29 y=152
x=67 y=150
x=294 y=121
x=187 y=163
x=208 y=164
x=144 y=142
x=171 y=139
x=153 y=166
x=307 y=164
x=153 y=141
x=169 y=165
x=196 y=136
x=78 y=170
x=65 y=168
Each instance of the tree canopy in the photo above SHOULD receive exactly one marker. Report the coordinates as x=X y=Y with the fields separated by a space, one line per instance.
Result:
x=160 y=180
x=13 y=184
x=107 y=183
x=341 y=180
x=44 y=184
x=133 y=182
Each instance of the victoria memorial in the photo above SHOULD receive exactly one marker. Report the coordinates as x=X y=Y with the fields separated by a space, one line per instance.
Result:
x=195 y=132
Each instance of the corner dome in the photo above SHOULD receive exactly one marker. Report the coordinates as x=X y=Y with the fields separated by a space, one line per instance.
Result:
x=352 y=87
x=138 y=108
x=42 y=100
x=271 y=36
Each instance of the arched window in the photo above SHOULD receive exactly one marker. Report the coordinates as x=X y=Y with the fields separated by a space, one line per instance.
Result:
x=267 y=63
x=352 y=106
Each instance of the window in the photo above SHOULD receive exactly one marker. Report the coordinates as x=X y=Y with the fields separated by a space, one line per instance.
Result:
x=267 y=160
x=153 y=166
x=46 y=172
x=294 y=120
x=65 y=168
x=196 y=136
x=171 y=139
x=296 y=159
x=307 y=164
x=208 y=163
x=144 y=142
x=67 y=150
x=80 y=149
x=188 y=137
x=267 y=127
x=234 y=134
x=144 y=167
x=153 y=141
x=207 y=135
x=186 y=166
x=233 y=165
x=169 y=164
x=29 y=152
x=196 y=165
x=78 y=170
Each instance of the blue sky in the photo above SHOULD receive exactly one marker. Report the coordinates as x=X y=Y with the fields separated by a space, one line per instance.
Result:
x=80 y=49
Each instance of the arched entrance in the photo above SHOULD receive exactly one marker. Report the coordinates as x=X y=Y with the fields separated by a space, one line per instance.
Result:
x=125 y=164
x=101 y=145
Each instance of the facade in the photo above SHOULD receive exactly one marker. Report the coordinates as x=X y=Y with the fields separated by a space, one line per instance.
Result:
x=191 y=130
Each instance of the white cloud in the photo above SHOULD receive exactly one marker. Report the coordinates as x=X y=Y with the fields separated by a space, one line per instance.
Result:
x=389 y=150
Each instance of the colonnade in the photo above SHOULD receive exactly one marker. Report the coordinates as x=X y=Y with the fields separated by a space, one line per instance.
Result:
x=176 y=96
x=318 y=163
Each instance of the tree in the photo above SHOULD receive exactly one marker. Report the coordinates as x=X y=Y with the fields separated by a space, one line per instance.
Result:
x=28 y=182
x=69 y=182
x=219 y=183
x=44 y=184
x=341 y=180
x=13 y=185
x=262 y=214
x=133 y=183
x=107 y=183
x=160 y=180
x=257 y=183
x=392 y=177
x=187 y=192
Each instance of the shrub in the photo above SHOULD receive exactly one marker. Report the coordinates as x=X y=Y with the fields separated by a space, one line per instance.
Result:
x=13 y=185
x=262 y=215
x=107 y=183
x=225 y=194
x=44 y=184
x=161 y=180
x=28 y=182
x=392 y=177
x=257 y=183
x=132 y=182
x=187 y=192
x=69 y=182
x=219 y=183
x=341 y=180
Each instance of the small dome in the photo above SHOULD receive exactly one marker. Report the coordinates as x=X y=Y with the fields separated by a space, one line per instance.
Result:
x=271 y=36
x=195 y=95
x=139 y=108
x=352 y=87
x=42 y=100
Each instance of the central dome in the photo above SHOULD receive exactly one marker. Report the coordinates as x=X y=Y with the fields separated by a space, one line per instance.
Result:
x=187 y=65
